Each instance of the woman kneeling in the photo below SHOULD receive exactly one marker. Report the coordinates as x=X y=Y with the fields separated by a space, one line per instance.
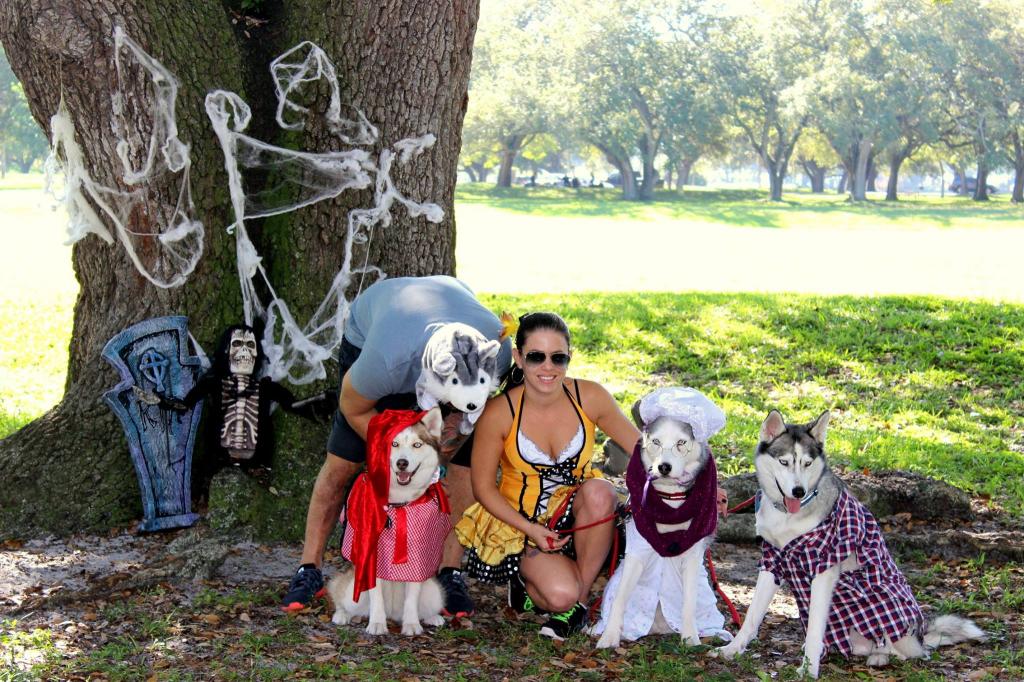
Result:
x=540 y=432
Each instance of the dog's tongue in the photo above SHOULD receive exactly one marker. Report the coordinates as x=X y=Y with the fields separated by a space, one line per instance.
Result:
x=404 y=477
x=792 y=504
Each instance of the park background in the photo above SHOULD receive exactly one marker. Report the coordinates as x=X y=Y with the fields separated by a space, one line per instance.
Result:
x=777 y=203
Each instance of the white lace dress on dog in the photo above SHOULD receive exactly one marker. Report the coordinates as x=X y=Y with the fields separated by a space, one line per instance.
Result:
x=660 y=584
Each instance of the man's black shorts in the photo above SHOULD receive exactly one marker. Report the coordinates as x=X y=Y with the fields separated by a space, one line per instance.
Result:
x=346 y=443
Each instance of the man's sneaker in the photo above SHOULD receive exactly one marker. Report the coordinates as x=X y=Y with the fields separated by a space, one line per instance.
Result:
x=307 y=584
x=562 y=625
x=518 y=598
x=457 y=602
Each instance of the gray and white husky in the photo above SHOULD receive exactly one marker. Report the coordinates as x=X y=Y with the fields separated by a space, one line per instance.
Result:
x=798 y=494
x=459 y=368
x=672 y=458
x=415 y=458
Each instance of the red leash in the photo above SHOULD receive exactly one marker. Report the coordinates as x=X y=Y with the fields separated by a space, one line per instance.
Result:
x=714 y=578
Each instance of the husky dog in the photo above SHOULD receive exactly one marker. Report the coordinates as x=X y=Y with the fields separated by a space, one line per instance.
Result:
x=851 y=596
x=460 y=368
x=663 y=570
x=412 y=470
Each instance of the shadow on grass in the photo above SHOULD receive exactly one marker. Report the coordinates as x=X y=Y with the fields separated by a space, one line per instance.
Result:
x=744 y=208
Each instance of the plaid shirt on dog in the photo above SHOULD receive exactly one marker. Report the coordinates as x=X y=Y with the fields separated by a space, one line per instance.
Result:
x=875 y=599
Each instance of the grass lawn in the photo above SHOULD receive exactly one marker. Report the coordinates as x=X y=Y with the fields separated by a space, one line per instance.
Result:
x=926 y=383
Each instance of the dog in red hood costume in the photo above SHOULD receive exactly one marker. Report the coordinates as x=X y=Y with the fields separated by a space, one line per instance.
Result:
x=397 y=520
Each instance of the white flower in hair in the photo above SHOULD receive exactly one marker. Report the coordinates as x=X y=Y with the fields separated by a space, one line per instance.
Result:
x=686 y=405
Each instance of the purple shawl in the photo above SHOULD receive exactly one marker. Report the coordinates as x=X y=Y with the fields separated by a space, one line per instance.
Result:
x=700 y=508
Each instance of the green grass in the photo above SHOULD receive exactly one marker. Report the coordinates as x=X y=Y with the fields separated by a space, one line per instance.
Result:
x=917 y=382
x=748 y=207
x=924 y=384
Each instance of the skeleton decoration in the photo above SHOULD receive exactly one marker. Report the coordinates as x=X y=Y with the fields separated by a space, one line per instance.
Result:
x=241 y=398
x=153 y=356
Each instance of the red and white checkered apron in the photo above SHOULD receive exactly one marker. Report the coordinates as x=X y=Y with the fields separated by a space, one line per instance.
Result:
x=875 y=599
x=410 y=546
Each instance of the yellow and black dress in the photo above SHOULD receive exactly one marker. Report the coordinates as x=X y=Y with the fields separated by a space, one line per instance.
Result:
x=535 y=490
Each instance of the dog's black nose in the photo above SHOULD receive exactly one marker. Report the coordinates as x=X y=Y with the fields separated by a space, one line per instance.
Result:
x=664 y=468
x=402 y=464
x=471 y=406
x=798 y=492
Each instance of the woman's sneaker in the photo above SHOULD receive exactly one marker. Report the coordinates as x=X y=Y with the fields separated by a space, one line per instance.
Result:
x=457 y=602
x=562 y=625
x=307 y=584
x=518 y=598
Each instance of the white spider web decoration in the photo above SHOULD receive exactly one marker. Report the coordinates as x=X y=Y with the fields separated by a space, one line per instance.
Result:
x=298 y=179
x=136 y=213
x=289 y=180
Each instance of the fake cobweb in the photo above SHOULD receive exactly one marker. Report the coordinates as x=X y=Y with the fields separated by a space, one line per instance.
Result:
x=138 y=216
x=263 y=180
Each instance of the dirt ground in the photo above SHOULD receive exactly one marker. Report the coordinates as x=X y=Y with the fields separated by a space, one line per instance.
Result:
x=70 y=610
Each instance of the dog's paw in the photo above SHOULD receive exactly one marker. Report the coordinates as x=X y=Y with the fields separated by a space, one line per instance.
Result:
x=412 y=629
x=728 y=652
x=808 y=669
x=340 y=618
x=878 y=660
x=377 y=628
x=609 y=640
x=436 y=620
x=690 y=640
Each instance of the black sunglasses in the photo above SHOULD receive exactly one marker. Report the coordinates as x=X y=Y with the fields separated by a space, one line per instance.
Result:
x=537 y=357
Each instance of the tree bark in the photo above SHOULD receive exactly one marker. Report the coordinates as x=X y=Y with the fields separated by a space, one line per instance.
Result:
x=816 y=174
x=1017 y=196
x=981 y=188
x=894 y=176
x=843 y=180
x=859 y=187
x=510 y=147
x=70 y=469
x=872 y=174
x=683 y=169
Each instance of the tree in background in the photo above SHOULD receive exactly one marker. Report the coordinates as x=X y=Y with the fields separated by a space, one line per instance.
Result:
x=404 y=63
x=21 y=141
x=515 y=81
x=765 y=64
x=816 y=157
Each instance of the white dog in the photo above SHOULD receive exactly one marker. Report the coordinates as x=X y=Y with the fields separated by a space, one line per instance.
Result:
x=662 y=580
x=851 y=596
x=408 y=543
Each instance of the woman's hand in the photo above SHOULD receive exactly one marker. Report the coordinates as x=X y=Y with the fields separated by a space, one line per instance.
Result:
x=545 y=540
x=723 y=503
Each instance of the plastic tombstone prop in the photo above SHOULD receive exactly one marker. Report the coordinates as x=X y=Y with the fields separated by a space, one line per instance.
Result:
x=153 y=357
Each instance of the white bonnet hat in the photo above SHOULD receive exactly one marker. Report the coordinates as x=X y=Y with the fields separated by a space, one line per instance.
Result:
x=687 y=405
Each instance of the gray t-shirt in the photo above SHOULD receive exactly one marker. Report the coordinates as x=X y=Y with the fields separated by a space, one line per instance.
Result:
x=393 y=319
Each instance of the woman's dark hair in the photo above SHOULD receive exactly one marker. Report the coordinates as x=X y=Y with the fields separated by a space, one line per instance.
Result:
x=529 y=323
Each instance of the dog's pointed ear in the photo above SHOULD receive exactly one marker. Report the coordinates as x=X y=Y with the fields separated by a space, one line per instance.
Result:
x=772 y=427
x=819 y=427
x=433 y=421
x=443 y=363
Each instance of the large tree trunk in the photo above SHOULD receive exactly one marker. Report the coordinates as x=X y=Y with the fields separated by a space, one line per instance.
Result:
x=894 y=176
x=648 y=150
x=510 y=147
x=1017 y=196
x=815 y=173
x=981 y=188
x=683 y=169
x=70 y=469
x=858 y=190
x=776 y=176
x=872 y=174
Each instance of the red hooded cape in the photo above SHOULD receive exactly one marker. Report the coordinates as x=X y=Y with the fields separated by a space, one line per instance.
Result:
x=369 y=497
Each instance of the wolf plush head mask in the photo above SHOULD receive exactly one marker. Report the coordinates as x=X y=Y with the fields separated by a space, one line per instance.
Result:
x=460 y=368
